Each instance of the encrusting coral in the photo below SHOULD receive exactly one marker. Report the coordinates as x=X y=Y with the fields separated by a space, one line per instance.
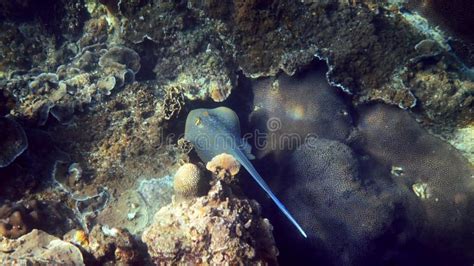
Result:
x=213 y=229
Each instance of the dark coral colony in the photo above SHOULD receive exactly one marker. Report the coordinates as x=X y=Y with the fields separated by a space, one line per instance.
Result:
x=237 y=132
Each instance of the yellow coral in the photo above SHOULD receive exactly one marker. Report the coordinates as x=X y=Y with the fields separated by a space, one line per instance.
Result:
x=80 y=238
x=223 y=165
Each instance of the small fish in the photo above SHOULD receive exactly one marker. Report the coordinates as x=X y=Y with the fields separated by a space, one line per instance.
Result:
x=216 y=131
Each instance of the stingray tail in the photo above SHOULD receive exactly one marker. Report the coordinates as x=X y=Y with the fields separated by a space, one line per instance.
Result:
x=253 y=172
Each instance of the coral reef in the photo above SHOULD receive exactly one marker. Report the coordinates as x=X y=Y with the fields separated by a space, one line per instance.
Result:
x=173 y=102
x=128 y=126
x=61 y=17
x=29 y=41
x=38 y=247
x=109 y=81
x=13 y=141
x=156 y=192
x=213 y=229
x=196 y=59
x=91 y=75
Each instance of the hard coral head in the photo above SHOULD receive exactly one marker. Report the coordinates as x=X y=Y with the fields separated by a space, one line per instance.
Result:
x=189 y=181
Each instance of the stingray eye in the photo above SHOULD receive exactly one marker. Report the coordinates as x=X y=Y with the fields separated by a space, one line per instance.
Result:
x=206 y=113
x=197 y=122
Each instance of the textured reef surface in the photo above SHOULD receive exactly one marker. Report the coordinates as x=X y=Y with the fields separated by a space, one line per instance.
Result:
x=360 y=116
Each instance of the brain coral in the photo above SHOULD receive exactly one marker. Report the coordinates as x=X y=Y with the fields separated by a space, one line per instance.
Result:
x=326 y=194
x=13 y=141
x=188 y=181
x=436 y=172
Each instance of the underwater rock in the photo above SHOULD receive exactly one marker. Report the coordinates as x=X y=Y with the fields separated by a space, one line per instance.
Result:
x=156 y=192
x=444 y=90
x=106 y=245
x=61 y=17
x=23 y=47
x=452 y=16
x=38 y=247
x=438 y=174
x=18 y=219
x=214 y=229
x=189 y=181
x=13 y=141
x=288 y=109
x=205 y=75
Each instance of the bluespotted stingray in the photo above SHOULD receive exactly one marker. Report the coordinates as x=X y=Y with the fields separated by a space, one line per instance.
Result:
x=216 y=131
